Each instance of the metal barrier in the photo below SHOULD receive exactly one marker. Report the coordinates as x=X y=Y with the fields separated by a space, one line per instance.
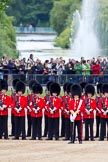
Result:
x=61 y=79
x=31 y=29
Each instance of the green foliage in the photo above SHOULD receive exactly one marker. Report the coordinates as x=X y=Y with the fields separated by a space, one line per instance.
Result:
x=62 y=18
x=7 y=36
x=61 y=14
x=3 y=4
x=34 y=12
x=63 y=40
x=102 y=28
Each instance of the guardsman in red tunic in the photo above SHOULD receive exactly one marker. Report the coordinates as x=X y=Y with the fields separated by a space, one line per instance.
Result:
x=104 y=112
x=29 y=101
x=98 y=112
x=19 y=104
x=76 y=107
x=53 y=107
x=46 y=99
x=65 y=104
x=36 y=111
x=90 y=107
x=12 y=110
x=4 y=104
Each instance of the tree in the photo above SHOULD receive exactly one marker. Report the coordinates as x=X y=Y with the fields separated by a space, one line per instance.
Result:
x=102 y=26
x=3 y=4
x=61 y=14
x=34 y=12
x=7 y=32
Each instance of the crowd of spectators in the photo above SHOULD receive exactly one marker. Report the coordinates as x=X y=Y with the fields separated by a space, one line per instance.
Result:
x=93 y=70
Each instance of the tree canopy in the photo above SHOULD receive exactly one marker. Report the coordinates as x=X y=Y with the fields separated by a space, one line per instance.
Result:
x=35 y=12
x=7 y=32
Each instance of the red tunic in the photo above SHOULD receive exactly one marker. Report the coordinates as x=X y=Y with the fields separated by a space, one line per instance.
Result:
x=22 y=100
x=40 y=104
x=73 y=105
x=56 y=102
x=92 y=104
x=105 y=101
x=6 y=102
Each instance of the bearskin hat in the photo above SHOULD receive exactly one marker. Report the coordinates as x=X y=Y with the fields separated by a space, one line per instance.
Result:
x=89 y=89
x=31 y=83
x=4 y=85
x=105 y=88
x=99 y=88
x=83 y=85
x=37 y=88
x=68 y=87
x=65 y=86
x=20 y=86
x=76 y=90
x=55 y=88
x=14 y=82
x=48 y=85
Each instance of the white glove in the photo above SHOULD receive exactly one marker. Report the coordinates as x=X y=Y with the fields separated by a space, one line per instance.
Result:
x=38 y=108
x=15 y=109
x=74 y=116
x=54 y=109
x=1 y=108
x=104 y=113
x=4 y=106
x=71 y=118
x=52 y=112
x=36 y=111
x=88 y=112
x=30 y=103
x=29 y=108
x=20 y=109
x=67 y=112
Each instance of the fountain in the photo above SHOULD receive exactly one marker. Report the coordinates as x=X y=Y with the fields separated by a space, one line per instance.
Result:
x=85 y=41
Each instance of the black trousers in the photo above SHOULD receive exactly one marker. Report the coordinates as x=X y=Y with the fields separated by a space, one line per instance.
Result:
x=104 y=122
x=20 y=126
x=36 y=127
x=53 y=128
x=67 y=128
x=46 y=125
x=89 y=124
x=4 y=126
x=97 y=126
x=73 y=125
x=13 y=124
x=29 y=123
x=62 y=126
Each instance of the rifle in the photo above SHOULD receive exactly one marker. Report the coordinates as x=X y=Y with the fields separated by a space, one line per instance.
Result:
x=35 y=105
x=87 y=105
x=103 y=106
x=67 y=106
x=1 y=102
x=97 y=105
x=51 y=106
x=17 y=103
